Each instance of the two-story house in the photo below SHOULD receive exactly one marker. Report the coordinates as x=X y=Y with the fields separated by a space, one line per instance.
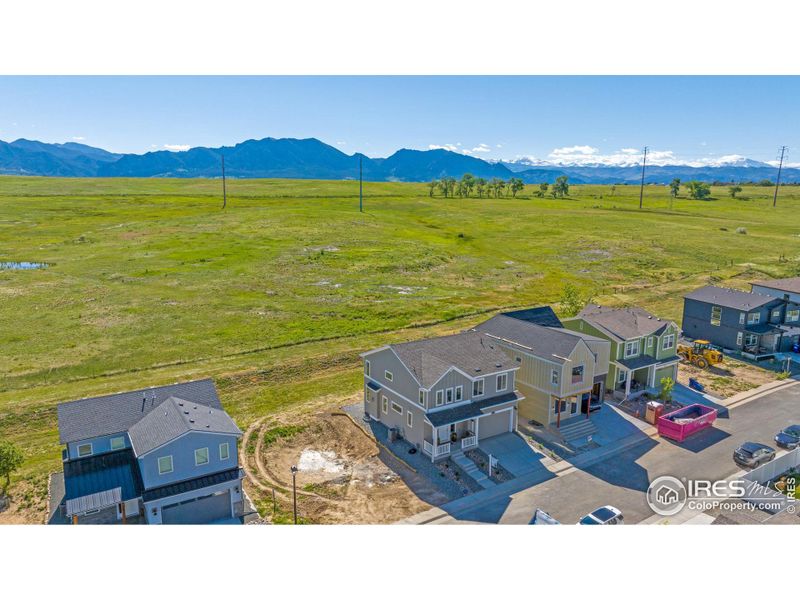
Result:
x=561 y=372
x=787 y=316
x=643 y=346
x=747 y=322
x=158 y=455
x=442 y=394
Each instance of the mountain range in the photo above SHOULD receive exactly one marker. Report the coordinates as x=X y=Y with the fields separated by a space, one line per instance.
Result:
x=313 y=159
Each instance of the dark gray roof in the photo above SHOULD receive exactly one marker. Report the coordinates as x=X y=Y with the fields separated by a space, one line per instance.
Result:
x=173 y=489
x=623 y=323
x=473 y=353
x=729 y=298
x=174 y=417
x=540 y=315
x=550 y=343
x=762 y=328
x=117 y=413
x=93 y=474
x=468 y=410
x=645 y=361
x=789 y=284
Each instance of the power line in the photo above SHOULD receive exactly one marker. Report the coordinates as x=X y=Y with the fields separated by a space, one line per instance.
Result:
x=641 y=187
x=778 y=179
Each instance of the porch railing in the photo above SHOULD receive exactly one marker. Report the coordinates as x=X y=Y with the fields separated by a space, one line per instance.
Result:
x=469 y=442
x=442 y=450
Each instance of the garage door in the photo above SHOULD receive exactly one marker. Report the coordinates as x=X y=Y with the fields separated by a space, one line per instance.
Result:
x=198 y=510
x=494 y=424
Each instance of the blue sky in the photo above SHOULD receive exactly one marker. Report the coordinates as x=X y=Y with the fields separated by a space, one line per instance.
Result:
x=591 y=119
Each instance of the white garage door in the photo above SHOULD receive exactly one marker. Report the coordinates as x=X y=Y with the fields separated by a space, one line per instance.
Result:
x=494 y=424
x=199 y=510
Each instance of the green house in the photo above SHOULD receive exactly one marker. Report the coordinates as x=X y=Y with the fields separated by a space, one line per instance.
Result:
x=643 y=347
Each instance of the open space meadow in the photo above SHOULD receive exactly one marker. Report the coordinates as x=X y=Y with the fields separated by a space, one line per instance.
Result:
x=150 y=282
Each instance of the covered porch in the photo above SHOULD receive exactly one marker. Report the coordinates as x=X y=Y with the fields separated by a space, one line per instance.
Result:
x=761 y=341
x=439 y=442
x=641 y=375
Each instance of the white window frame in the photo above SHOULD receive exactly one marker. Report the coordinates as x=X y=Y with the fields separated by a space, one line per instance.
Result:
x=171 y=465
x=742 y=317
x=750 y=336
x=82 y=454
x=385 y=404
x=739 y=338
x=422 y=397
x=478 y=383
x=650 y=343
x=208 y=457
x=388 y=376
x=449 y=395
x=114 y=439
x=397 y=408
x=409 y=419
x=636 y=345
x=227 y=447
x=439 y=397
x=366 y=368
x=668 y=338
x=459 y=393
x=716 y=321
x=793 y=315
x=554 y=377
x=368 y=392
x=753 y=318
x=572 y=375
x=504 y=378
x=776 y=313
x=623 y=375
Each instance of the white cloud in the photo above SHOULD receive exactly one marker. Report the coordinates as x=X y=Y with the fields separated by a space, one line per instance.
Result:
x=176 y=147
x=457 y=147
x=574 y=151
x=451 y=147
x=341 y=143
x=78 y=138
x=481 y=148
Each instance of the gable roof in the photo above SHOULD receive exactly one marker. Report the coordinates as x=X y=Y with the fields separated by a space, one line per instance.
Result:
x=539 y=315
x=471 y=352
x=729 y=298
x=117 y=413
x=550 y=343
x=174 y=417
x=789 y=284
x=623 y=323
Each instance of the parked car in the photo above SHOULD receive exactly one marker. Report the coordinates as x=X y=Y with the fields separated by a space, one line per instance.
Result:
x=605 y=515
x=753 y=454
x=789 y=438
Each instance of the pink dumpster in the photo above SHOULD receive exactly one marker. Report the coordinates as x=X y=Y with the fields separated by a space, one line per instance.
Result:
x=681 y=423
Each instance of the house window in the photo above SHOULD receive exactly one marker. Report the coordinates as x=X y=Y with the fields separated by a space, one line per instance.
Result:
x=751 y=339
x=739 y=337
x=449 y=396
x=409 y=419
x=631 y=348
x=201 y=456
x=668 y=342
x=439 y=397
x=385 y=402
x=554 y=377
x=776 y=314
x=368 y=393
x=422 y=397
x=388 y=375
x=621 y=378
x=477 y=387
x=716 y=315
x=741 y=318
x=366 y=368
x=792 y=315
x=518 y=359
x=85 y=450
x=502 y=382
x=459 y=393
x=224 y=451
x=650 y=343
x=164 y=465
x=577 y=374
x=753 y=318
x=397 y=408
x=117 y=443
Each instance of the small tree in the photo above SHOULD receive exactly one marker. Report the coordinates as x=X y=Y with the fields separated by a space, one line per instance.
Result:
x=561 y=186
x=432 y=185
x=10 y=460
x=515 y=185
x=480 y=186
x=571 y=301
x=674 y=187
x=698 y=190
x=734 y=189
x=613 y=189
x=665 y=393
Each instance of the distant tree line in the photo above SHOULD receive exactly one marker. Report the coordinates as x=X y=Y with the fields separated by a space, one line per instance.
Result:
x=469 y=186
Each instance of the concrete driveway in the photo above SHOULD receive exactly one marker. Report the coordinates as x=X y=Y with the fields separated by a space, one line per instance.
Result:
x=514 y=454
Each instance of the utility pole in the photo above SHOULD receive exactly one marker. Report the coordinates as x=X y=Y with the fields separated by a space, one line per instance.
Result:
x=294 y=492
x=360 y=184
x=641 y=187
x=224 y=190
x=778 y=180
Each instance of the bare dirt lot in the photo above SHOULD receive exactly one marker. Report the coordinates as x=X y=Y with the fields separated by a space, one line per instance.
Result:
x=340 y=478
x=727 y=379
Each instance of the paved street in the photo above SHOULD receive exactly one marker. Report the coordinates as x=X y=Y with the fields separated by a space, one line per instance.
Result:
x=622 y=479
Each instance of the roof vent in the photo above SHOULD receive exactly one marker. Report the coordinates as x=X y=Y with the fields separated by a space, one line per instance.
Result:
x=477 y=369
x=186 y=412
x=498 y=365
x=191 y=420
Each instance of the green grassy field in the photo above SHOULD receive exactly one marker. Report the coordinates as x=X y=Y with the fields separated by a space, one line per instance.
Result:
x=150 y=282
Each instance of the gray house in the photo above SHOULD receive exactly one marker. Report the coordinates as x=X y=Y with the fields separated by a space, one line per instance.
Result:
x=442 y=394
x=158 y=455
x=747 y=322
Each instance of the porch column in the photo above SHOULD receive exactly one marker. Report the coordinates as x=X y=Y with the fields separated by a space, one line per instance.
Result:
x=435 y=439
x=558 y=413
x=652 y=373
x=477 y=427
x=628 y=375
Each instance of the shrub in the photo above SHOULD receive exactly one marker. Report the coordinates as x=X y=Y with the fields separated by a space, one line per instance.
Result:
x=741 y=230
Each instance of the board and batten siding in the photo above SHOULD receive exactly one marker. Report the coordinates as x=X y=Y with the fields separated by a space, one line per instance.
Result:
x=403 y=383
x=100 y=445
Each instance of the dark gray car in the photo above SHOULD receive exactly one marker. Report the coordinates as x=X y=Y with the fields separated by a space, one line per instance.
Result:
x=753 y=454
x=789 y=438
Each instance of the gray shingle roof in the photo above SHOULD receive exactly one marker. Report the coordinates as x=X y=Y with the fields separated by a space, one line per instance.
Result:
x=174 y=417
x=117 y=413
x=646 y=360
x=623 y=323
x=729 y=298
x=789 y=284
x=469 y=410
x=550 y=343
x=540 y=315
x=471 y=352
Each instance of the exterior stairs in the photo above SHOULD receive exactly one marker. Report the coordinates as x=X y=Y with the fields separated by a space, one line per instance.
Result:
x=577 y=430
x=471 y=469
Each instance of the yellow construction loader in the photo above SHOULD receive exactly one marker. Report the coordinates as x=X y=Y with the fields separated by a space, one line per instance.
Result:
x=700 y=354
